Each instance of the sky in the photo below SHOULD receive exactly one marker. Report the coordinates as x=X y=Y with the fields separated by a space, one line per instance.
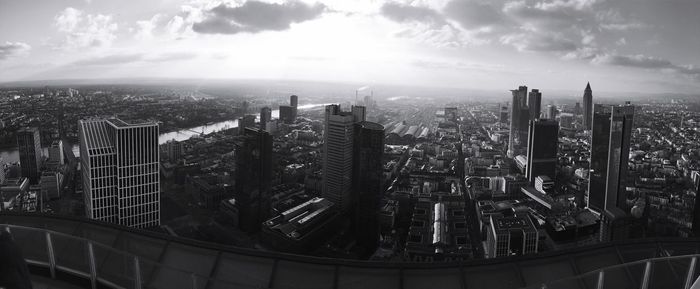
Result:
x=618 y=45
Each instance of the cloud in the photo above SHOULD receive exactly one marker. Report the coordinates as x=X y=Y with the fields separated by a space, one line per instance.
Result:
x=255 y=16
x=11 y=49
x=407 y=13
x=84 y=30
x=649 y=63
x=109 y=60
x=145 y=28
x=473 y=14
x=539 y=42
x=134 y=57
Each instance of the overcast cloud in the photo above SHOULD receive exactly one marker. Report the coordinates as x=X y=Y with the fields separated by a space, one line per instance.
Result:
x=618 y=45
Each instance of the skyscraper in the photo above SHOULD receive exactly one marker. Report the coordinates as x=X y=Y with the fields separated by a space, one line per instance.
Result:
x=338 y=154
x=287 y=114
x=120 y=166
x=695 y=177
x=29 y=146
x=610 y=145
x=542 y=149
x=534 y=103
x=367 y=179
x=517 y=108
x=551 y=111
x=587 y=107
x=265 y=117
x=253 y=178
x=293 y=100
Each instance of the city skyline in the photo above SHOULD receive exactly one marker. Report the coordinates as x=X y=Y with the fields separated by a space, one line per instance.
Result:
x=621 y=46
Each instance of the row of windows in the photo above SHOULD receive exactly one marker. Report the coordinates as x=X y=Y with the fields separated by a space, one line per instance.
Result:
x=98 y=193
x=104 y=202
x=138 y=200
x=138 y=168
x=139 y=210
x=98 y=213
x=139 y=190
x=137 y=180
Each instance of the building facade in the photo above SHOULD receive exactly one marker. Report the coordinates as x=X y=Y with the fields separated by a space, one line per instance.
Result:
x=543 y=137
x=29 y=146
x=368 y=175
x=253 y=178
x=588 y=107
x=120 y=171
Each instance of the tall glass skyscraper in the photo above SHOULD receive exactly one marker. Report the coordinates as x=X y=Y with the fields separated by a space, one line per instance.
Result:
x=338 y=154
x=367 y=182
x=610 y=145
x=542 y=149
x=120 y=167
x=29 y=146
x=253 y=178
x=587 y=107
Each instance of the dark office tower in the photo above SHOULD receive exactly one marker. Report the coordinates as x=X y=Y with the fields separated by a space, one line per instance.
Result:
x=543 y=137
x=587 y=107
x=610 y=145
x=338 y=155
x=265 y=117
x=120 y=171
x=368 y=146
x=29 y=146
x=695 y=177
x=287 y=114
x=518 y=105
x=534 y=103
x=253 y=178
x=293 y=101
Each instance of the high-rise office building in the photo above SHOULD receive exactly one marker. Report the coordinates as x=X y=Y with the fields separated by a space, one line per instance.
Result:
x=29 y=146
x=265 y=117
x=294 y=101
x=534 y=103
x=253 y=178
x=695 y=177
x=287 y=114
x=587 y=107
x=610 y=145
x=552 y=111
x=338 y=154
x=367 y=176
x=518 y=107
x=120 y=166
x=542 y=149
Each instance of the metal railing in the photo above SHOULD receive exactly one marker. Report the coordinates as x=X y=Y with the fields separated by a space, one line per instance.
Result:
x=100 y=264
x=660 y=272
x=106 y=266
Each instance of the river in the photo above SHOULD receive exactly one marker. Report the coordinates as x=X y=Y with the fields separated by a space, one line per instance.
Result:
x=12 y=155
